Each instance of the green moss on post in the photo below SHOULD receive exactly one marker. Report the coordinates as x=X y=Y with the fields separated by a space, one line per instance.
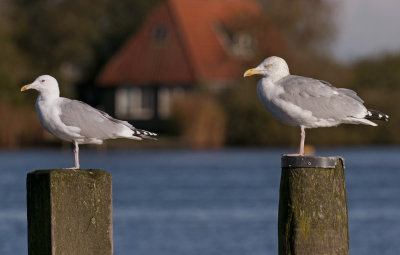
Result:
x=313 y=207
x=69 y=212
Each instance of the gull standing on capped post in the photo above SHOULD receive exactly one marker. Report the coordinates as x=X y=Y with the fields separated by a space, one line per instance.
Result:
x=75 y=121
x=308 y=103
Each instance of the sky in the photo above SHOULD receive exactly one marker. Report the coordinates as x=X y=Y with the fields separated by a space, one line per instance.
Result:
x=365 y=28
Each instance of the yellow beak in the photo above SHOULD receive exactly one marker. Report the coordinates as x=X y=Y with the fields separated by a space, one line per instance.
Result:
x=26 y=87
x=251 y=72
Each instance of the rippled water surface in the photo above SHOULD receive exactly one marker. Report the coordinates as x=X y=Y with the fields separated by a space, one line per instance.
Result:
x=173 y=202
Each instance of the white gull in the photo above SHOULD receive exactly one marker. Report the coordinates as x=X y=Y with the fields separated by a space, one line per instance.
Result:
x=75 y=121
x=308 y=103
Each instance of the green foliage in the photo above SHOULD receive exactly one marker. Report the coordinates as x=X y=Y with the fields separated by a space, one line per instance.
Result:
x=12 y=62
x=378 y=72
x=72 y=39
x=68 y=39
x=248 y=123
x=308 y=26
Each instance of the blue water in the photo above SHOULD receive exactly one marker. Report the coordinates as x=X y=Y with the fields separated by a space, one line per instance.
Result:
x=173 y=202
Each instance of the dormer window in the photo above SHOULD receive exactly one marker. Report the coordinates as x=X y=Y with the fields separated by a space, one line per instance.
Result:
x=242 y=44
x=159 y=33
x=238 y=43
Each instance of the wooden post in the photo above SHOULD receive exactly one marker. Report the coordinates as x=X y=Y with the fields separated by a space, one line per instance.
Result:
x=313 y=206
x=69 y=212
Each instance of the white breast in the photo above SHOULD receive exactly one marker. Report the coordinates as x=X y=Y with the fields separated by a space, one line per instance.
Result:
x=49 y=117
x=283 y=111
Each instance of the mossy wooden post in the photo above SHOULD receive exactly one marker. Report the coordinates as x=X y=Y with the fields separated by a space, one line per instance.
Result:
x=312 y=206
x=69 y=212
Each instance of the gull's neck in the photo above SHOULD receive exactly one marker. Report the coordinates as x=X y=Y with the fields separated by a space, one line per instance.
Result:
x=274 y=78
x=278 y=74
x=48 y=96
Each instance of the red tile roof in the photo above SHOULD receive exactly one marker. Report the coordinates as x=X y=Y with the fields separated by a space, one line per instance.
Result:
x=191 y=51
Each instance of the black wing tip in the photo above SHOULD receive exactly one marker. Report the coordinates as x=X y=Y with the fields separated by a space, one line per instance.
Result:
x=144 y=134
x=376 y=115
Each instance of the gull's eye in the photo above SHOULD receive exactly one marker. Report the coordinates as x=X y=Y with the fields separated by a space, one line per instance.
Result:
x=42 y=80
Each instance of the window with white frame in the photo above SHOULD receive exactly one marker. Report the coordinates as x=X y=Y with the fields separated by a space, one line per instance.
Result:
x=165 y=100
x=134 y=103
x=164 y=103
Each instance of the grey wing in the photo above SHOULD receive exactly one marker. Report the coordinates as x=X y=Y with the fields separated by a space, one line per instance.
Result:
x=347 y=92
x=321 y=98
x=351 y=94
x=92 y=122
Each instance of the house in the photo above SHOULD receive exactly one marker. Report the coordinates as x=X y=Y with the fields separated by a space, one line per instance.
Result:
x=182 y=43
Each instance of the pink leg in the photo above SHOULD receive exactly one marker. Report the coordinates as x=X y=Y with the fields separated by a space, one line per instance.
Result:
x=302 y=139
x=76 y=152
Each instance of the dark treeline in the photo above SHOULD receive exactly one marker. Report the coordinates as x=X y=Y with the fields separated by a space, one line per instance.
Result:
x=70 y=40
x=67 y=39
x=73 y=39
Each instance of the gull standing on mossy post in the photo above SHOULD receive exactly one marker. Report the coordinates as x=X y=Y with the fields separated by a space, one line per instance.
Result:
x=75 y=121
x=308 y=103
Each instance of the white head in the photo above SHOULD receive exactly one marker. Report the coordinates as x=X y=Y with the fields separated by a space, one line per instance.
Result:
x=272 y=67
x=45 y=84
